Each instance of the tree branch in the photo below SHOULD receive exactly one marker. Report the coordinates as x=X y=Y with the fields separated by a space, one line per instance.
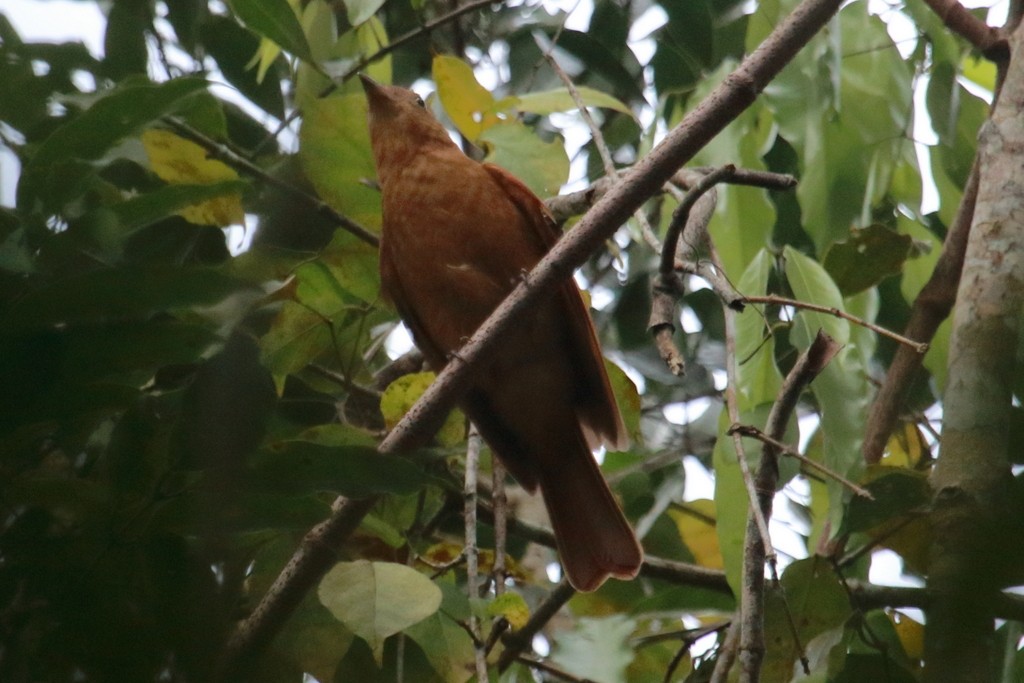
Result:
x=990 y=41
x=931 y=307
x=807 y=367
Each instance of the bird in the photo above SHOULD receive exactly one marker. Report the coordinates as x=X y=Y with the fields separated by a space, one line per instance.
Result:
x=457 y=237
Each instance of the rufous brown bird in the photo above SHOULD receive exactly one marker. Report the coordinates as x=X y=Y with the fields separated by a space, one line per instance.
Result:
x=457 y=237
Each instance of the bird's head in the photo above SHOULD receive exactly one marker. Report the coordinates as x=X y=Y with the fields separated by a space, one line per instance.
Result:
x=400 y=122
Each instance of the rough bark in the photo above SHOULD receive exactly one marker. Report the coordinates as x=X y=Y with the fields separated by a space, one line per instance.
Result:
x=971 y=479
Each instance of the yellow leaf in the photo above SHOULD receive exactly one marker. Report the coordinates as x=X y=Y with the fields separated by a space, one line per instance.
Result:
x=910 y=632
x=905 y=447
x=400 y=396
x=512 y=607
x=696 y=527
x=179 y=161
x=469 y=105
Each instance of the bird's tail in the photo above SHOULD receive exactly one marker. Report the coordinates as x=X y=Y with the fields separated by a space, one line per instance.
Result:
x=594 y=539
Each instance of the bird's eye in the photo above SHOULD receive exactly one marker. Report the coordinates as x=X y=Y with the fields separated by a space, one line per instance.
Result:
x=420 y=103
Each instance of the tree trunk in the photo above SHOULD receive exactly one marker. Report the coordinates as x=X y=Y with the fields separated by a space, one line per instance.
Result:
x=972 y=477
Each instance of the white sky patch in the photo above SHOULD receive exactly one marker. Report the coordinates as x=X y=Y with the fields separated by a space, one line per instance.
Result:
x=685 y=412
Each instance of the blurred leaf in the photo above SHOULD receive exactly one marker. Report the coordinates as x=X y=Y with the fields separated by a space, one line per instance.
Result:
x=446 y=644
x=118 y=294
x=628 y=399
x=360 y=10
x=88 y=137
x=868 y=256
x=759 y=376
x=400 y=396
x=378 y=599
x=124 y=43
x=180 y=161
x=353 y=263
x=470 y=106
x=905 y=448
x=551 y=101
x=145 y=209
x=896 y=492
x=622 y=74
x=276 y=20
x=334 y=148
x=910 y=632
x=597 y=649
x=232 y=47
x=542 y=166
x=696 y=524
x=355 y=471
x=511 y=606
x=817 y=602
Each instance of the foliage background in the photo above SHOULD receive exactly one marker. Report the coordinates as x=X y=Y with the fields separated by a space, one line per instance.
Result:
x=175 y=415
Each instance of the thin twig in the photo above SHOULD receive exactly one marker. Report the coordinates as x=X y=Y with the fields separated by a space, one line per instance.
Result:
x=785 y=449
x=473 y=445
x=549 y=669
x=773 y=299
x=752 y=647
x=602 y=147
x=741 y=176
x=500 y=501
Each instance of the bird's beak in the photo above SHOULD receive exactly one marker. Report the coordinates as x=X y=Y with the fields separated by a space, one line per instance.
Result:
x=370 y=86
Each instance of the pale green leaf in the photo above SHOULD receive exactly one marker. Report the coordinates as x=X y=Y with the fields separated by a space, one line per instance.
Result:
x=360 y=10
x=551 y=101
x=542 y=166
x=334 y=149
x=597 y=650
x=758 y=376
x=376 y=600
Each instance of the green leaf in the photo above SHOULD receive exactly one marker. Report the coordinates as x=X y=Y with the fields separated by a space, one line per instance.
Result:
x=276 y=20
x=356 y=471
x=353 y=263
x=88 y=137
x=842 y=389
x=896 y=492
x=118 y=294
x=124 y=43
x=542 y=166
x=334 y=148
x=378 y=599
x=816 y=601
x=866 y=258
x=145 y=209
x=360 y=10
x=446 y=644
x=628 y=399
x=551 y=101
x=759 y=377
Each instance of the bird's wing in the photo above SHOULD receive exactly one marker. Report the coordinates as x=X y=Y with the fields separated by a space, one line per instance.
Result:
x=599 y=416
